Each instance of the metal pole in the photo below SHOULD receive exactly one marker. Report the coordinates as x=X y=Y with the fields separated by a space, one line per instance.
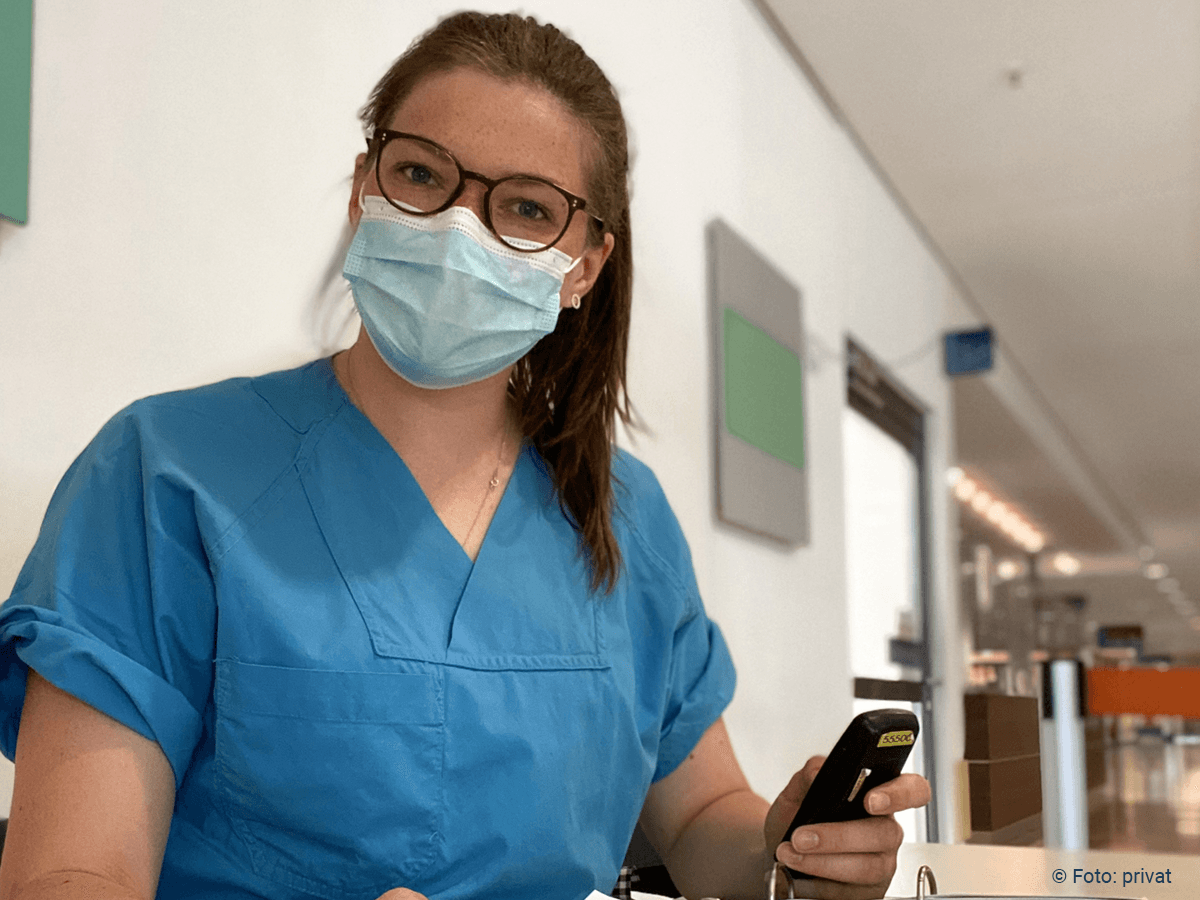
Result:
x=1064 y=774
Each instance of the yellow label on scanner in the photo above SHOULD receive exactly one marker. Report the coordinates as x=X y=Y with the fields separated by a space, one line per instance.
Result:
x=896 y=739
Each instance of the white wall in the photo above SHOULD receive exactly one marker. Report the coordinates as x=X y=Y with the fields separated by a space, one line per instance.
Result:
x=189 y=180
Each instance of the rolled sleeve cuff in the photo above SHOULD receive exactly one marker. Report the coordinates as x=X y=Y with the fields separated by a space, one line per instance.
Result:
x=75 y=662
x=704 y=704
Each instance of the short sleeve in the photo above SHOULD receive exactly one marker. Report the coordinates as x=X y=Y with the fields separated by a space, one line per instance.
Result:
x=698 y=679
x=702 y=681
x=115 y=604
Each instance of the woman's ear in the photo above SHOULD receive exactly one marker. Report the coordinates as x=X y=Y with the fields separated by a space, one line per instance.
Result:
x=580 y=279
x=361 y=174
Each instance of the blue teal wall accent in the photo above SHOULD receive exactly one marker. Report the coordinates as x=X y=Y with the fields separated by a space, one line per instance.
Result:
x=16 y=79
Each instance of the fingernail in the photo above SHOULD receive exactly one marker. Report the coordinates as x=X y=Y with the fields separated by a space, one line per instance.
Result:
x=878 y=803
x=805 y=840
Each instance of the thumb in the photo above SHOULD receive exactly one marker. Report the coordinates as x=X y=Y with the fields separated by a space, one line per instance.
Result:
x=403 y=894
x=784 y=809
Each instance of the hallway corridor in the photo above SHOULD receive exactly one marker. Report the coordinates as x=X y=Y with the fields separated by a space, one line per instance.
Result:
x=1152 y=799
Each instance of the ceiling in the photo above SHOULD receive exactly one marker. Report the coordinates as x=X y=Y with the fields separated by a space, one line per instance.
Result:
x=1050 y=151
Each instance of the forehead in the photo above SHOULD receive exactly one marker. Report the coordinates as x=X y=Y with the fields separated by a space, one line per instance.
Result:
x=497 y=127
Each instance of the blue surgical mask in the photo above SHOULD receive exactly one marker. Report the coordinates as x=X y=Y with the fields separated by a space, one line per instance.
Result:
x=443 y=301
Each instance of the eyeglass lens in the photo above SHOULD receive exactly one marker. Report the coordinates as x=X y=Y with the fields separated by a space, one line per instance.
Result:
x=419 y=177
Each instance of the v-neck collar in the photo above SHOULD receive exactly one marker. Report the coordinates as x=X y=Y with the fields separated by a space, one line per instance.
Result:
x=364 y=429
x=395 y=554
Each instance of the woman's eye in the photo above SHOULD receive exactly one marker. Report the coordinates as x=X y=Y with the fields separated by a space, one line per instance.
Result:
x=418 y=174
x=529 y=209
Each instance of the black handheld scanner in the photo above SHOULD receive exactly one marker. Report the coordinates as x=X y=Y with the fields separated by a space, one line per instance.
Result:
x=871 y=751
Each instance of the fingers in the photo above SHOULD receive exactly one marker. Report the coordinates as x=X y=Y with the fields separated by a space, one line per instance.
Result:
x=811 y=768
x=799 y=784
x=783 y=810
x=881 y=834
x=850 y=859
x=824 y=889
x=906 y=792
x=861 y=869
x=865 y=869
x=862 y=852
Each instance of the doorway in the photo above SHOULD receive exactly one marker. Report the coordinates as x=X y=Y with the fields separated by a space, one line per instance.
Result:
x=887 y=560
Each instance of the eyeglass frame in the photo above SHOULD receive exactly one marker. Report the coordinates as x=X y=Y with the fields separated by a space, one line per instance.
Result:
x=379 y=139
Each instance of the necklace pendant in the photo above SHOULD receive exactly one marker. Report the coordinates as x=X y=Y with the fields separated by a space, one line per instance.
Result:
x=495 y=482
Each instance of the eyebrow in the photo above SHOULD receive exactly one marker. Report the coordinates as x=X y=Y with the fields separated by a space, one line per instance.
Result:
x=454 y=156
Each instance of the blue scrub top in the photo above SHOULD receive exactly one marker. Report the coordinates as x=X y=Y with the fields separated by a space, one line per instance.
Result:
x=249 y=575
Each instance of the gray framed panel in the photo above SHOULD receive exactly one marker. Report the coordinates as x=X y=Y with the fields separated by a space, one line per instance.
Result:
x=761 y=443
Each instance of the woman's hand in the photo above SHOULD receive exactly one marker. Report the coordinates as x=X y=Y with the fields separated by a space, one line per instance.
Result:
x=851 y=860
x=403 y=894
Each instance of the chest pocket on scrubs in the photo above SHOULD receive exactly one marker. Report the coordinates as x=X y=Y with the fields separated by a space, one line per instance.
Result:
x=309 y=763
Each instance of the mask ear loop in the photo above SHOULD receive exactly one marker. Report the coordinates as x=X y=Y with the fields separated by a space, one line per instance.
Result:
x=566 y=272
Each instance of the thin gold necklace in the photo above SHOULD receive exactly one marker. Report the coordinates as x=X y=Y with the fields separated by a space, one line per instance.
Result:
x=493 y=482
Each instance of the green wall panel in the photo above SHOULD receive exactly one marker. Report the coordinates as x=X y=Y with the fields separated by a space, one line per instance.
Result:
x=764 y=391
x=16 y=59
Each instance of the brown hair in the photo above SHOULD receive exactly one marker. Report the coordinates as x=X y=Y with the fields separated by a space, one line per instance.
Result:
x=570 y=388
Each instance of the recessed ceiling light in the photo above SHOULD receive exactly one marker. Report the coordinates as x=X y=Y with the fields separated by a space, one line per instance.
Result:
x=1008 y=569
x=1066 y=564
x=997 y=512
x=1155 y=571
x=954 y=475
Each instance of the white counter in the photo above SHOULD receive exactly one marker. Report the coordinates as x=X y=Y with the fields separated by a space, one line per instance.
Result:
x=977 y=869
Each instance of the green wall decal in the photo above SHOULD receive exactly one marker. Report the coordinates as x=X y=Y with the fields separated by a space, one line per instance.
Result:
x=764 y=391
x=16 y=77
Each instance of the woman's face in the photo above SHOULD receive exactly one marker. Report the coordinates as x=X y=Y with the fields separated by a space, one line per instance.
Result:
x=500 y=128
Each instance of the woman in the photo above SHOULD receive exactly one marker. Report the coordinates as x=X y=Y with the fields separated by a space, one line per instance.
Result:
x=401 y=623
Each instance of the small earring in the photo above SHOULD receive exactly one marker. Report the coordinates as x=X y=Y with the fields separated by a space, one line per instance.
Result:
x=574 y=301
